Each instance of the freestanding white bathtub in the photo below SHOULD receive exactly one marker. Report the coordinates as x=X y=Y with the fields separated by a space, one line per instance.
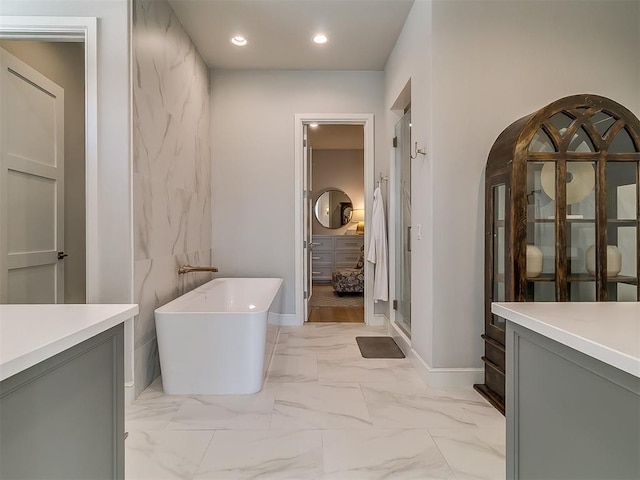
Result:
x=218 y=338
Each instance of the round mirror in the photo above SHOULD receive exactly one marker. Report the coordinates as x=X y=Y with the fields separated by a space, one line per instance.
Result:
x=333 y=209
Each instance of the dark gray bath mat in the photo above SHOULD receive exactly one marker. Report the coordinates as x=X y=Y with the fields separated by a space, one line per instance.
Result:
x=379 y=347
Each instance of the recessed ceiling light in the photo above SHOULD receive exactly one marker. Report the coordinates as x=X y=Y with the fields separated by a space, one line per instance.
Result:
x=320 y=38
x=239 y=40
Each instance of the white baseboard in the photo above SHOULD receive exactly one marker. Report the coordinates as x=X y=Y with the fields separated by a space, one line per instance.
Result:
x=287 y=319
x=436 y=377
x=378 y=319
x=129 y=393
x=447 y=377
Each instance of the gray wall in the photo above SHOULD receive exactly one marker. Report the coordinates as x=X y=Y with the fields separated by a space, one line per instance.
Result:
x=63 y=63
x=475 y=67
x=171 y=170
x=252 y=134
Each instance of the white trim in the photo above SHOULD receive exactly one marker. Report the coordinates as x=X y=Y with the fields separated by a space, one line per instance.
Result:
x=403 y=341
x=129 y=326
x=366 y=120
x=446 y=377
x=379 y=319
x=287 y=319
x=435 y=377
x=91 y=159
x=129 y=393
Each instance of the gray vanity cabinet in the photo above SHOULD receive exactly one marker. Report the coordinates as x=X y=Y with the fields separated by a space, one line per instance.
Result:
x=569 y=415
x=63 y=418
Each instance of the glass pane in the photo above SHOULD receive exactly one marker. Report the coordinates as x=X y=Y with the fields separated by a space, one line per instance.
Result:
x=625 y=293
x=542 y=292
x=499 y=243
x=602 y=121
x=581 y=194
x=621 y=262
x=581 y=264
x=541 y=142
x=402 y=179
x=541 y=181
x=622 y=190
x=582 y=292
x=540 y=250
x=622 y=143
x=581 y=180
x=581 y=142
x=561 y=121
x=626 y=243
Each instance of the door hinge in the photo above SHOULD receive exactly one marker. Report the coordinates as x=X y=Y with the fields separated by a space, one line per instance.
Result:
x=395 y=304
x=395 y=142
x=304 y=142
x=304 y=244
x=305 y=295
x=304 y=194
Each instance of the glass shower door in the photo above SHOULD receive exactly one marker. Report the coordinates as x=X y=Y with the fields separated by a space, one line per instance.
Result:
x=402 y=167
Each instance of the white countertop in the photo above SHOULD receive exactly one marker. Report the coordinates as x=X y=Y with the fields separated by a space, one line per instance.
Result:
x=606 y=331
x=30 y=334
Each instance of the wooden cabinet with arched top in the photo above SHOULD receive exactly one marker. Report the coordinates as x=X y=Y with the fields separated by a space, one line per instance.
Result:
x=562 y=214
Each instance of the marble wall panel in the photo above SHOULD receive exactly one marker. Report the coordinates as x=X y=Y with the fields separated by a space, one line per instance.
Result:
x=157 y=283
x=171 y=170
x=146 y=365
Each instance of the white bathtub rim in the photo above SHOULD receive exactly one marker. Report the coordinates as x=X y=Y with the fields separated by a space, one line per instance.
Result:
x=173 y=306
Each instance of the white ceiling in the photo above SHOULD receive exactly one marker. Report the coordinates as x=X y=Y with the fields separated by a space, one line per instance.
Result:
x=361 y=33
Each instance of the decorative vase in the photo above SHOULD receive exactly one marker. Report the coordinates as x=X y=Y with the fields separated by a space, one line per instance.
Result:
x=534 y=261
x=614 y=260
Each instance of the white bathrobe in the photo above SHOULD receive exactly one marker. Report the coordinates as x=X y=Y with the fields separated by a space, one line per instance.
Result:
x=378 y=249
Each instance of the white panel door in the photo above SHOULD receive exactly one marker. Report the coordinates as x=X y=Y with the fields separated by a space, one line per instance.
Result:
x=31 y=185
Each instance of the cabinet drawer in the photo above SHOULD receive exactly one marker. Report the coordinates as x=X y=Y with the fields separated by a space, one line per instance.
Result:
x=321 y=257
x=320 y=272
x=350 y=258
x=350 y=242
x=322 y=244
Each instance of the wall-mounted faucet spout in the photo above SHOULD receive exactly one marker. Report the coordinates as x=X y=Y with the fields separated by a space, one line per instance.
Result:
x=189 y=268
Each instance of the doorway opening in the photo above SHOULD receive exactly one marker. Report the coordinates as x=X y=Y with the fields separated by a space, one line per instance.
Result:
x=346 y=212
x=42 y=102
x=336 y=193
x=38 y=42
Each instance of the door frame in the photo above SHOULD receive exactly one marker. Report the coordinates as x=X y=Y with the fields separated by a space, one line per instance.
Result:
x=74 y=29
x=366 y=120
x=81 y=29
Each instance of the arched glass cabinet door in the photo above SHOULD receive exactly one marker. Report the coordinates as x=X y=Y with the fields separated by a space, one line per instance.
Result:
x=498 y=276
x=582 y=208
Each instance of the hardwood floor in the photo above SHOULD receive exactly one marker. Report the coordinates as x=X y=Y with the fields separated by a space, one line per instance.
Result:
x=336 y=314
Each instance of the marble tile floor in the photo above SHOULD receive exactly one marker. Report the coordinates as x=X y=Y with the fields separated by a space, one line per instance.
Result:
x=324 y=413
